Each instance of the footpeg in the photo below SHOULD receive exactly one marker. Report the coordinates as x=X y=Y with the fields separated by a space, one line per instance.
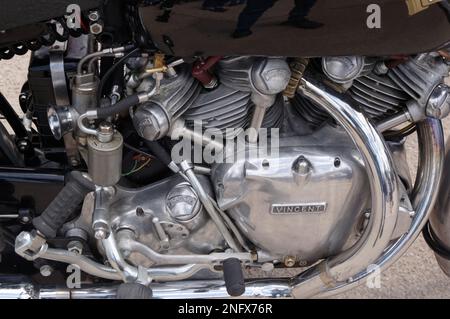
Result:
x=234 y=277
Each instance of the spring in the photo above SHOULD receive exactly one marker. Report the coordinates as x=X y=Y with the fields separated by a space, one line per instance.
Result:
x=298 y=67
x=47 y=38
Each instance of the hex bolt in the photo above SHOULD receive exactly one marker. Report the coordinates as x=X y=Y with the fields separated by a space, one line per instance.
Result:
x=289 y=261
x=105 y=132
x=46 y=270
x=96 y=28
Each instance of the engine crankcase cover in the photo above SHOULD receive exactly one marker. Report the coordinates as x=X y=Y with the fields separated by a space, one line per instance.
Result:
x=303 y=203
x=169 y=206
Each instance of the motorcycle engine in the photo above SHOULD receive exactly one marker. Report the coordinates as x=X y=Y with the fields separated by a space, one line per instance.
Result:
x=305 y=202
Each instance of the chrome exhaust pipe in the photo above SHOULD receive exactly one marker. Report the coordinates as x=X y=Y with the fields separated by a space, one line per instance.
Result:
x=200 y=289
x=437 y=233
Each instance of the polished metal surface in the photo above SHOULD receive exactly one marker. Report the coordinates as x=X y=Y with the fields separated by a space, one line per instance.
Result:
x=89 y=266
x=229 y=105
x=393 y=121
x=438 y=105
x=414 y=85
x=344 y=69
x=383 y=183
x=264 y=77
x=142 y=210
x=220 y=108
x=418 y=77
x=127 y=243
x=250 y=189
x=61 y=120
x=183 y=203
x=431 y=163
x=154 y=118
x=105 y=160
x=24 y=289
x=188 y=169
x=84 y=92
x=440 y=217
x=431 y=153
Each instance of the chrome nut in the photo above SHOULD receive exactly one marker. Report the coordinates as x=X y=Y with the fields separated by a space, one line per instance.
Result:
x=96 y=28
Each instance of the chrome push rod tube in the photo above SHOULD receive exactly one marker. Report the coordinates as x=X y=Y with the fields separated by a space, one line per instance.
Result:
x=188 y=170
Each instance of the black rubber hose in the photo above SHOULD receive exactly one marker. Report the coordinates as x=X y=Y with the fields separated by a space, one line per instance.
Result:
x=64 y=205
x=111 y=70
x=122 y=105
x=160 y=152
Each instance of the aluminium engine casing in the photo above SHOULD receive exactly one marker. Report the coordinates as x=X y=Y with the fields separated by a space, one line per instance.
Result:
x=303 y=203
x=169 y=206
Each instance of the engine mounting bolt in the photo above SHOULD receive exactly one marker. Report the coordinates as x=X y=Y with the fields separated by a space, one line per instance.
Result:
x=46 y=270
x=289 y=261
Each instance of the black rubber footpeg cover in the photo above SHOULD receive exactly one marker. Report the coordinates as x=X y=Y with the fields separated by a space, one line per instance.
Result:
x=234 y=277
x=134 y=291
x=64 y=204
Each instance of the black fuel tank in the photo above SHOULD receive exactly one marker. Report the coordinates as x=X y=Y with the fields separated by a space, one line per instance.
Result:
x=278 y=27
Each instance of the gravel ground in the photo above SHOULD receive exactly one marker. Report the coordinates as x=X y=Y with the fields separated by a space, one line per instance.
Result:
x=415 y=275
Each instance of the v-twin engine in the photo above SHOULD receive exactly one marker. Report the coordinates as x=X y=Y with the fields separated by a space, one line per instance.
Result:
x=313 y=173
